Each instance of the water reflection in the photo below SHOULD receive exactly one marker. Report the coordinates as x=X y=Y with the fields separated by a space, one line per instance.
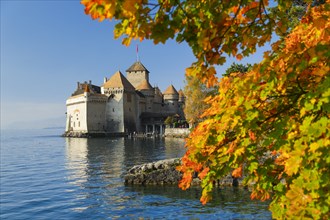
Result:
x=138 y=151
x=111 y=157
x=76 y=153
x=97 y=165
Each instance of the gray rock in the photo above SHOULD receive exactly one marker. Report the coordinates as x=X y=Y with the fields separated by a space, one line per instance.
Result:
x=164 y=173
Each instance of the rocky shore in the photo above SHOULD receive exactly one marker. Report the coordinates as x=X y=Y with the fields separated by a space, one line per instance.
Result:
x=164 y=173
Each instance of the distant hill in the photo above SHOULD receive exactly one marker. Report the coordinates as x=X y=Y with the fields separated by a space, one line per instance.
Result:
x=50 y=123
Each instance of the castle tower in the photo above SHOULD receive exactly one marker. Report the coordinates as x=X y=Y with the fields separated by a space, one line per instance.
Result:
x=121 y=116
x=137 y=73
x=171 y=94
x=171 y=98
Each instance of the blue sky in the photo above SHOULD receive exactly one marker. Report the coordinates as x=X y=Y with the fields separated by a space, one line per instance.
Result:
x=47 y=46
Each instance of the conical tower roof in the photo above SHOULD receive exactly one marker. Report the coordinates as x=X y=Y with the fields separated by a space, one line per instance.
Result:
x=171 y=91
x=118 y=80
x=137 y=66
x=145 y=85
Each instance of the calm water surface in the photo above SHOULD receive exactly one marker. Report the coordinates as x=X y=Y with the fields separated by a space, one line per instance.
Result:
x=45 y=176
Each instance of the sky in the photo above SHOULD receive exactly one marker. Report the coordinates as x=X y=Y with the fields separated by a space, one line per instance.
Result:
x=48 y=46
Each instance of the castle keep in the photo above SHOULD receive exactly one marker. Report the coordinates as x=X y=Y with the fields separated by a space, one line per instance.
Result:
x=122 y=105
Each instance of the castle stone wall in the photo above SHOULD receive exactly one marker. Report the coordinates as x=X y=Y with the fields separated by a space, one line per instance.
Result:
x=76 y=114
x=115 y=114
x=96 y=114
x=137 y=77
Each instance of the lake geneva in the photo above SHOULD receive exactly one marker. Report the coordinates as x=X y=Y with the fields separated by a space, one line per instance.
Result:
x=45 y=176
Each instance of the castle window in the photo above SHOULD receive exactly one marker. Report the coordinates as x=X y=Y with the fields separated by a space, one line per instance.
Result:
x=78 y=123
x=113 y=110
x=74 y=124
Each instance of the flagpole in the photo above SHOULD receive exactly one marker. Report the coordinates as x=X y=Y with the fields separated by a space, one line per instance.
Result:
x=137 y=53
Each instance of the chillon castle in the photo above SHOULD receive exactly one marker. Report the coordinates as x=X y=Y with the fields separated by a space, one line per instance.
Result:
x=122 y=105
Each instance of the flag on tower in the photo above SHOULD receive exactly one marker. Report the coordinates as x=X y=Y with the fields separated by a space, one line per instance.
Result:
x=137 y=52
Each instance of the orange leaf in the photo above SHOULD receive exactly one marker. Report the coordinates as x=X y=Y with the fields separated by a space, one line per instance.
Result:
x=239 y=56
x=252 y=136
x=237 y=173
x=204 y=173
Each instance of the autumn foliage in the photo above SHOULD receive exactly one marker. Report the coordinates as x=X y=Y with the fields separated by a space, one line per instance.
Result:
x=271 y=123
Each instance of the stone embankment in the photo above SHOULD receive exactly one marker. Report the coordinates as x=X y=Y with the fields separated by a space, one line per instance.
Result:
x=164 y=173
x=177 y=132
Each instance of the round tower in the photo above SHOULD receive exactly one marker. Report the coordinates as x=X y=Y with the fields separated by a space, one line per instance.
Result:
x=171 y=99
x=171 y=94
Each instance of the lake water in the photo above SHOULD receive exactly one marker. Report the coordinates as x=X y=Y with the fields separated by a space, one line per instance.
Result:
x=45 y=176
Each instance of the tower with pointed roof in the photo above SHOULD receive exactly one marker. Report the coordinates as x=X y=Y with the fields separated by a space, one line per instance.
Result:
x=121 y=109
x=171 y=99
x=137 y=73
